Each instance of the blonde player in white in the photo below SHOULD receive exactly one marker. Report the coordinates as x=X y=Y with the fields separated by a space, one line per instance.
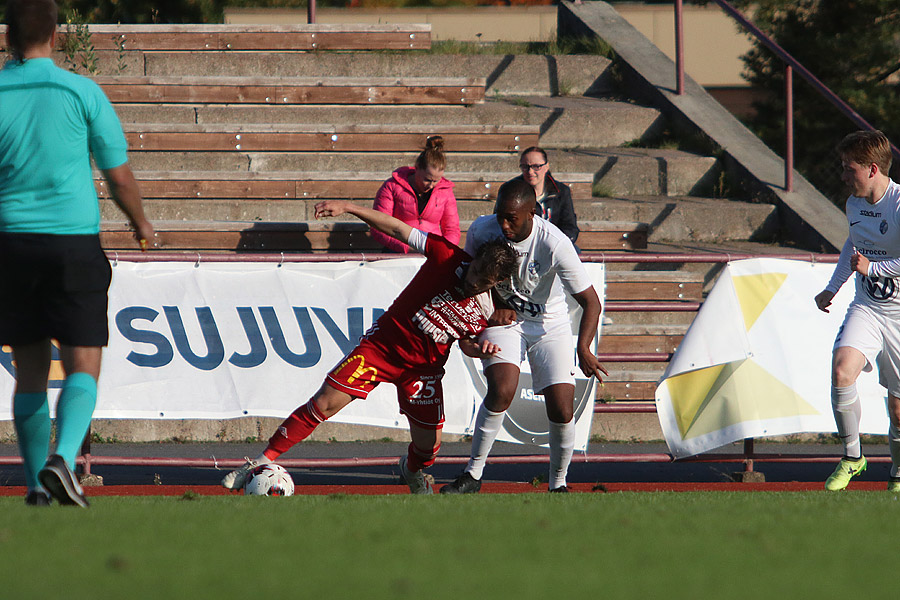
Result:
x=536 y=324
x=870 y=335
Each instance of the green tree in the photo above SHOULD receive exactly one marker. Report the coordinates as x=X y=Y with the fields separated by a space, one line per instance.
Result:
x=853 y=47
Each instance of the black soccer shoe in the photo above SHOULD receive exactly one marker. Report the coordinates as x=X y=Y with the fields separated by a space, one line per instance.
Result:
x=560 y=490
x=37 y=498
x=464 y=484
x=58 y=479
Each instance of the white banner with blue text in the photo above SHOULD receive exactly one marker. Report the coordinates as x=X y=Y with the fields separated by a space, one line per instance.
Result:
x=225 y=340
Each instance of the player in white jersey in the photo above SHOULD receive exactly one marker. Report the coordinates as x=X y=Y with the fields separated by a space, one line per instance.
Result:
x=870 y=334
x=535 y=325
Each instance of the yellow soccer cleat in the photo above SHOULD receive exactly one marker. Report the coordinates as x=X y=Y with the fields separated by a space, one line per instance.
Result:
x=845 y=470
x=894 y=484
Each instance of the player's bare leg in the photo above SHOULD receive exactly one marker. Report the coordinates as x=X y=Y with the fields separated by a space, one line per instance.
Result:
x=847 y=364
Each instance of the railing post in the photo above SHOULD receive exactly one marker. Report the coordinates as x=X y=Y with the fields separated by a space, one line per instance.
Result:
x=789 y=128
x=310 y=11
x=679 y=48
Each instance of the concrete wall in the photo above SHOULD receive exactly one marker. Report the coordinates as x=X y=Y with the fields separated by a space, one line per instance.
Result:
x=713 y=45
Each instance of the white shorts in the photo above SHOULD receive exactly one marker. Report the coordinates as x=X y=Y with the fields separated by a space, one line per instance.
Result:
x=549 y=346
x=878 y=338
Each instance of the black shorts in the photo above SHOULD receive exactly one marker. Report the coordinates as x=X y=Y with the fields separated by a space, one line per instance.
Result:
x=53 y=286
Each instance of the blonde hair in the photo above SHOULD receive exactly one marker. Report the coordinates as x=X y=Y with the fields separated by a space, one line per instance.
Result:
x=433 y=154
x=866 y=148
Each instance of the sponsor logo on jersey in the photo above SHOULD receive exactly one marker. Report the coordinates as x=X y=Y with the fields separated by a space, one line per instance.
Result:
x=869 y=213
x=361 y=370
x=880 y=289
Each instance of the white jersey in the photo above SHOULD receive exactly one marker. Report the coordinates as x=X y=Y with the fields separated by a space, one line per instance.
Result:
x=548 y=267
x=875 y=234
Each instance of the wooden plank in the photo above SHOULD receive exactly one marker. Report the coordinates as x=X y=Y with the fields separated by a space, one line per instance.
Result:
x=236 y=90
x=622 y=344
x=653 y=290
x=633 y=391
x=196 y=38
x=280 y=141
x=304 y=236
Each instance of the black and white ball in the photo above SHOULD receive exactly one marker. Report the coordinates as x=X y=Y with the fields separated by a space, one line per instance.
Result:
x=269 y=480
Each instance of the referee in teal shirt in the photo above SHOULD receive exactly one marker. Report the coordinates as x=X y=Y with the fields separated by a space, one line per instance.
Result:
x=55 y=276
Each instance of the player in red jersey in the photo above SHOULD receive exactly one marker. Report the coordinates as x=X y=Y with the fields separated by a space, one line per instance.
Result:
x=447 y=300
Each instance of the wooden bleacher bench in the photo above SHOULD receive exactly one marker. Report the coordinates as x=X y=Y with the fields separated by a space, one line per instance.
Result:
x=295 y=90
x=654 y=286
x=325 y=138
x=199 y=38
x=286 y=185
x=312 y=236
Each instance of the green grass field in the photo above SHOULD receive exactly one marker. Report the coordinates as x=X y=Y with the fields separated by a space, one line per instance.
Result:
x=623 y=545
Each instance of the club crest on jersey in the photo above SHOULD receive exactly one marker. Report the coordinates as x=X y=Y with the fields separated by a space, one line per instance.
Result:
x=883 y=227
x=533 y=268
x=880 y=289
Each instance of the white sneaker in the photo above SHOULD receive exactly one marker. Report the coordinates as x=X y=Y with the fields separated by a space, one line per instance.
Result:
x=237 y=478
x=418 y=482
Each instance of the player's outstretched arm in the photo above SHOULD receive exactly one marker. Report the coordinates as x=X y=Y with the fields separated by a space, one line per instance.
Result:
x=587 y=329
x=124 y=190
x=384 y=223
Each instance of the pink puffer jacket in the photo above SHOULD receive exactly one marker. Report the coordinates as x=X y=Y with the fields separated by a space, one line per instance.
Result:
x=397 y=198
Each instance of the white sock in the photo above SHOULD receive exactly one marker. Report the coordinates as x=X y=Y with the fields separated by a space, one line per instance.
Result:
x=894 y=443
x=562 y=444
x=487 y=426
x=847 y=412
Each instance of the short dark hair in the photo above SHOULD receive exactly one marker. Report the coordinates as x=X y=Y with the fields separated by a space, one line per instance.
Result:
x=518 y=192
x=866 y=148
x=29 y=23
x=500 y=260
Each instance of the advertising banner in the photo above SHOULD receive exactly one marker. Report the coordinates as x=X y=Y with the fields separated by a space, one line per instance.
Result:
x=756 y=361
x=225 y=340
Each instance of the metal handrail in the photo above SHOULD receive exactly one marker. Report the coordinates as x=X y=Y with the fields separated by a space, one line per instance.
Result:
x=791 y=64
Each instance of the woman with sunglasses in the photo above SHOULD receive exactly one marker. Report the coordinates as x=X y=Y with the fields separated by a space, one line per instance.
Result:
x=554 y=199
x=420 y=197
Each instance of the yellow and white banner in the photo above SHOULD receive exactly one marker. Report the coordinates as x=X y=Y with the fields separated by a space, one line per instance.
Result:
x=756 y=361
x=225 y=340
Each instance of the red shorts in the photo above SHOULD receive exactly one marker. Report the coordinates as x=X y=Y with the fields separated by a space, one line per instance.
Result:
x=419 y=390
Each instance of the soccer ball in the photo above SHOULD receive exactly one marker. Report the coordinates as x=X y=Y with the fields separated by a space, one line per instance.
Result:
x=269 y=480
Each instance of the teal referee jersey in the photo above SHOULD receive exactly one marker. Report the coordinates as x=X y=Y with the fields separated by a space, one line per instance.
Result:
x=51 y=122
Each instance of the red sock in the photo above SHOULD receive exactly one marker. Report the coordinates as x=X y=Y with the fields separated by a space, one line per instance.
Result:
x=417 y=459
x=297 y=427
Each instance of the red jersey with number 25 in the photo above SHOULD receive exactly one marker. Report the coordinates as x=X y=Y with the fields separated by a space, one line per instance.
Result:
x=431 y=312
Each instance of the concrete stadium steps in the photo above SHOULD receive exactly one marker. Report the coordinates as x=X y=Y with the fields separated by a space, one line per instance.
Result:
x=620 y=172
x=684 y=220
x=570 y=122
x=506 y=75
x=294 y=90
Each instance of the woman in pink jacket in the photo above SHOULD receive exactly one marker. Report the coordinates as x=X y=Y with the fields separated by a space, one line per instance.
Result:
x=420 y=197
